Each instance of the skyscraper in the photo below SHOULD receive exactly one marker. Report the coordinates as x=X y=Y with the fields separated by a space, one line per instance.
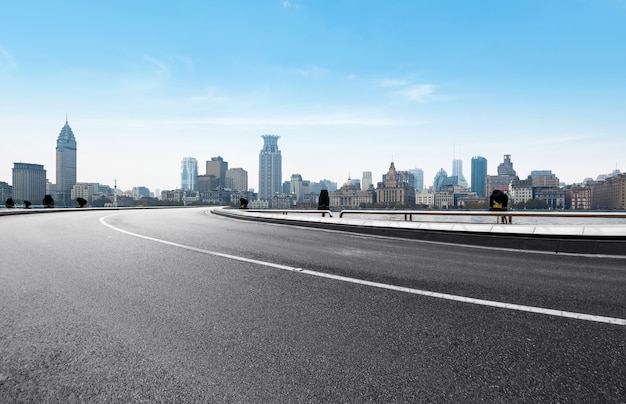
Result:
x=66 y=163
x=217 y=167
x=366 y=180
x=29 y=182
x=270 y=168
x=418 y=174
x=188 y=173
x=457 y=171
x=479 y=172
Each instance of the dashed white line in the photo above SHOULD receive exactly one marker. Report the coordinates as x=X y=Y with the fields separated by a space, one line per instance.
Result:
x=463 y=299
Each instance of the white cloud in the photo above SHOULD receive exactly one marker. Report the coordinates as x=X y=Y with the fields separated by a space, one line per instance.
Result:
x=418 y=92
x=288 y=4
x=393 y=83
x=6 y=59
x=313 y=72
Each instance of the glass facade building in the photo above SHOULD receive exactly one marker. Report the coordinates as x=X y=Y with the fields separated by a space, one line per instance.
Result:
x=188 y=173
x=479 y=173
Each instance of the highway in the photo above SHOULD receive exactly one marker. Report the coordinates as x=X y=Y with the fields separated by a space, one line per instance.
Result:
x=182 y=305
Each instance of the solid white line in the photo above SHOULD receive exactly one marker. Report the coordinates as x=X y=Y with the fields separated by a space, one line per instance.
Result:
x=463 y=299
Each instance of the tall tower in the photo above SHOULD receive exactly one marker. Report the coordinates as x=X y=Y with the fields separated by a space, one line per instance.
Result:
x=188 y=173
x=66 y=163
x=479 y=172
x=366 y=180
x=270 y=168
x=418 y=174
x=457 y=170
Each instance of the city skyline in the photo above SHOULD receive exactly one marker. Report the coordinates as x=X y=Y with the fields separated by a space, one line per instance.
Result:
x=348 y=86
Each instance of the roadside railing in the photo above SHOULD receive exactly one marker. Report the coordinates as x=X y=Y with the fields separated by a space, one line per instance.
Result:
x=502 y=216
x=287 y=211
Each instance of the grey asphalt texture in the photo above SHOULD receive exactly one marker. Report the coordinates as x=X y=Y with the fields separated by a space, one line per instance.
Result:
x=89 y=314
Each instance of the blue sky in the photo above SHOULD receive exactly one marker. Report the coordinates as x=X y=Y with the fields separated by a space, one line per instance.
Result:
x=348 y=85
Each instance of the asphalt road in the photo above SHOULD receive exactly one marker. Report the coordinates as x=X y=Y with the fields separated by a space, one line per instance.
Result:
x=180 y=305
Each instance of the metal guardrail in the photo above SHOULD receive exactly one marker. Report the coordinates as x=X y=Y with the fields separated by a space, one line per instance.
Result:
x=503 y=216
x=287 y=211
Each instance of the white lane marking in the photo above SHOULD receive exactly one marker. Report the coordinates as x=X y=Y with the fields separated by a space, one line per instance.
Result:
x=456 y=298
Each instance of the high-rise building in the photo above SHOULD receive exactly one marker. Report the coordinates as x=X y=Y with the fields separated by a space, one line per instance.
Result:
x=270 y=168
x=189 y=173
x=457 y=171
x=237 y=179
x=29 y=182
x=217 y=167
x=65 y=163
x=366 y=180
x=418 y=174
x=439 y=179
x=479 y=172
x=295 y=186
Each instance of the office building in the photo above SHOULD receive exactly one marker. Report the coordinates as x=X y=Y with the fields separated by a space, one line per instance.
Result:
x=418 y=175
x=65 y=163
x=366 y=180
x=457 y=171
x=237 y=179
x=478 y=175
x=29 y=183
x=6 y=192
x=270 y=168
x=217 y=168
x=188 y=173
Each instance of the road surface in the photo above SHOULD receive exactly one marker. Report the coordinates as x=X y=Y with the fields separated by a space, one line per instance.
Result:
x=181 y=305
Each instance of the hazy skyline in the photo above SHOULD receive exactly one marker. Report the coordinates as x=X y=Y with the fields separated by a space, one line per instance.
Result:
x=348 y=86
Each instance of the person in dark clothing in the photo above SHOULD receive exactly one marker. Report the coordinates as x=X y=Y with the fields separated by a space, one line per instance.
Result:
x=498 y=200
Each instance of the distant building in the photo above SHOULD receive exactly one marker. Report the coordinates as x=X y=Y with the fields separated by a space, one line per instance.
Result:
x=607 y=194
x=520 y=190
x=457 y=171
x=328 y=185
x=425 y=198
x=6 y=192
x=544 y=178
x=65 y=163
x=295 y=186
x=189 y=173
x=29 y=183
x=350 y=196
x=554 y=196
x=237 y=179
x=140 y=192
x=270 y=168
x=439 y=179
x=418 y=175
x=478 y=175
x=366 y=180
x=217 y=167
x=506 y=174
x=85 y=190
x=394 y=193
x=207 y=183
x=578 y=198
